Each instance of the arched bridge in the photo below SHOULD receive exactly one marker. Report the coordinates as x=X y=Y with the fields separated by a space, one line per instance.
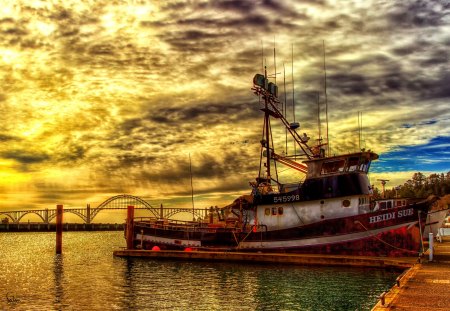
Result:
x=117 y=202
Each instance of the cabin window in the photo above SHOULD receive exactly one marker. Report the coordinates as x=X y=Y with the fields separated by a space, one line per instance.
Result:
x=267 y=211
x=333 y=166
x=389 y=204
x=353 y=164
x=274 y=211
x=280 y=210
x=399 y=203
x=364 y=167
x=382 y=205
x=346 y=203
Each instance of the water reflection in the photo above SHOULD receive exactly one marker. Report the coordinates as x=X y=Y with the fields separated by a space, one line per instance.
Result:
x=58 y=272
x=87 y=277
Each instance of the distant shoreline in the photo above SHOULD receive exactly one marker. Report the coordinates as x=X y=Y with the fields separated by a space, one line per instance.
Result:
x=51 y=227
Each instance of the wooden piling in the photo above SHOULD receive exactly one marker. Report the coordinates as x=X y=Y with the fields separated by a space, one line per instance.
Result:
x=129 y=232
x=59 y=228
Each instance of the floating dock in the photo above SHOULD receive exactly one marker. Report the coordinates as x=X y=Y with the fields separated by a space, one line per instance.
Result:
x=274 y=258
x=425 y=286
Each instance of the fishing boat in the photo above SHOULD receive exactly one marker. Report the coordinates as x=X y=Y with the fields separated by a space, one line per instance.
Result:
x=329 y=210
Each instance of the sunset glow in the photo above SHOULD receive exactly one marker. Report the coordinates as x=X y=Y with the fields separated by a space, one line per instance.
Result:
x=99 y=98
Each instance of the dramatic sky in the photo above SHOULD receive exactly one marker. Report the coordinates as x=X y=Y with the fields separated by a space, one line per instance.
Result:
x=99 y=98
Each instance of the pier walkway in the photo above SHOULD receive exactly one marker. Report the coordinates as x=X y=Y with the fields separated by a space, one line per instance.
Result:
x=425 y=286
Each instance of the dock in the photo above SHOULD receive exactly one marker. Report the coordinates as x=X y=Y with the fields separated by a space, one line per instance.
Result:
x=425 y=286
x=273 y=258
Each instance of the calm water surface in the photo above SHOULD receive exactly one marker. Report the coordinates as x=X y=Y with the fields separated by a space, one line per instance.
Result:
x=88 y=277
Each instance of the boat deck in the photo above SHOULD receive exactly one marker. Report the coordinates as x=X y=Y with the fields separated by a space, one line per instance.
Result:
x=426 y=286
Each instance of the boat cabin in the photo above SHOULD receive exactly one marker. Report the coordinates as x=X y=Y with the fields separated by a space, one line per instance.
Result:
x=338 y=165
x=384 y=204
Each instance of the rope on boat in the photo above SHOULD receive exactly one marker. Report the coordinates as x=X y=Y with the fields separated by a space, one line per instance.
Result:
x=393 y=246
x=239 y=243
x=420 y=231
x=234 y=236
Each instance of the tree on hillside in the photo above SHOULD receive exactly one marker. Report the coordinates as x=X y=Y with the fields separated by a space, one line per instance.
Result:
x=420 y=186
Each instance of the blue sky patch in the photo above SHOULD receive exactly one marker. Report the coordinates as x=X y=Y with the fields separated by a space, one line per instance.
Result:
x=431 y=157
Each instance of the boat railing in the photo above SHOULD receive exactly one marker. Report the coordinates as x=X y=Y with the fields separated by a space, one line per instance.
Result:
x=179 y=225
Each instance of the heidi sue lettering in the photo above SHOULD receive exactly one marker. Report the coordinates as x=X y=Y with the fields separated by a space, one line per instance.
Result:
x=391 y=215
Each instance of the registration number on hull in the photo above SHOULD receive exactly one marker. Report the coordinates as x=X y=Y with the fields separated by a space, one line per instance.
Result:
x=286 y=198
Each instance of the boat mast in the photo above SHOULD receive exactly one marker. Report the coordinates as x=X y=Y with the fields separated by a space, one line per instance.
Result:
x=326 y=98
x=319 y=140
x=266 y=123
x=293 y=94
x=285 y=109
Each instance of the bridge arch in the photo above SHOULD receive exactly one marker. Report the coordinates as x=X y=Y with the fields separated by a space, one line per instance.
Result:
x=52 y=214
x=121 y=202
x=30 y=212
x=8 y=216
x=197 y=213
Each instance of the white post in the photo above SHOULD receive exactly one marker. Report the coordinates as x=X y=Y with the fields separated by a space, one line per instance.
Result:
x=430 y=245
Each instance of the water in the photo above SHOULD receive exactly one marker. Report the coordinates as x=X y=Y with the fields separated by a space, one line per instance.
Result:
x=88 y=277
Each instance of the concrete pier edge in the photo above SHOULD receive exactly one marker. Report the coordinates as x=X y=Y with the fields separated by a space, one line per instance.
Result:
x=423 y=287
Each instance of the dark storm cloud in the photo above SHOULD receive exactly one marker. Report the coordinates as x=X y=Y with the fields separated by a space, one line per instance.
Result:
x=418 y=13
x=193 y=41
x=350 y=84
x=204 y=166
x=437 y=57
x=25 y=157
x=13 y=32
x=430 y=88
x=248 y=8
x=208 y=113
x=439 y=87
x=6 y=137
x=70 y=153
x=133 y=159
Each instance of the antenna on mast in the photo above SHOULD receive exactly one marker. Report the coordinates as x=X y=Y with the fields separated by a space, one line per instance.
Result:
x=326 y=98
x=292 y=78
x=274 y=62
x=192 y=188
x=318 y=118
x=262 y=56
x=285 y=106
x=359 y=128
x=294 y=124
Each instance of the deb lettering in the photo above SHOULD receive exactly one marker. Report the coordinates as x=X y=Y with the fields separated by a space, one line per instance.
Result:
x=392 y=215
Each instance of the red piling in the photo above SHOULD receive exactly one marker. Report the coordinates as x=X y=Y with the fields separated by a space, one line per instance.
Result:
x=129 y=233
x=59 y=228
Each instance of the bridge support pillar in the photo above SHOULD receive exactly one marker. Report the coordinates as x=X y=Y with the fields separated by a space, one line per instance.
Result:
x=46 y=216
x=88 y=214
x=161 y=212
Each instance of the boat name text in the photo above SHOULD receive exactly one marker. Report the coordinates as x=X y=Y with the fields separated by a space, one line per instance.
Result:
x=286 y=198
x=389 y=216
